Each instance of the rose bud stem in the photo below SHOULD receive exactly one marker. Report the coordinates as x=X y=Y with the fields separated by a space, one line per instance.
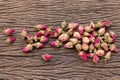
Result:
x=77 y=35
x=72 y=25
x=27 y=48
x=107 y=23
x=107 y=56
x=58 y=30
x=8 y=31
x=104 y=46
x=68 y=45
x=63 y=25
x=95 y=59
x=85 y=46
x=47 y=57
x=99 y=24
x=54 y=34
x=83 y=55
x=88 y=28
x=24 y=33
x=85 y=40
x=101 y=31
x=40 y=27
x=113 y=48
x=74 y=40
x=92 y=25
x=38 y=45
x=43 y=39
x=55 y=43
x=63 y=37
x=112 y=34
x=94 y=33
x=78 y=47
x=80 y=29
x=10 y=40
x=97 y=42
x=100 y=52
x=86 y=34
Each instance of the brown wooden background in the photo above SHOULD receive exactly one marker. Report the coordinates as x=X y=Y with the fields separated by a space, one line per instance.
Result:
x=66 y=65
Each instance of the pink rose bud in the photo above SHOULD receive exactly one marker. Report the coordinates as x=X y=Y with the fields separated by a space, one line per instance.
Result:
x=63 y=25
x=77 y=35
x=24 y=33
x=38 y=45
x=90 y=55
x=55 y=43
x=86 y=33
x=94 y=33
x=35 y=37
x=106 y=34
x=91 y=38
x=54 y=34
x=70 y=31
x=27 y=48
x=107 y=23
x=112 y=34
x=109 y=40
x=100 y=53
x=113 y=48
x=47 y=57
x=48 y=31
x=107 y=56
x=101 y=31
x=80 y=29
x=72 y=25
x=104 y=46
x=78 y=47
x=74 y=40
x=30 y=38
x=83 y=56
x=44 y=39
x=91 y=47
x=97 y=42
x=58 y=30
x=85 y=46
x=85 y=40
x=40 y=33
x=63 y=37
x=95 y=59
x=99 y=24
x=92 y=24
x=10 y=40
x=68 y=45
x=87 y=28
x=8 y=31
x=40 y=27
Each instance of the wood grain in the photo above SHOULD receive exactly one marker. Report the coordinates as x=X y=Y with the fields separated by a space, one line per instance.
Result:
x=15 y=65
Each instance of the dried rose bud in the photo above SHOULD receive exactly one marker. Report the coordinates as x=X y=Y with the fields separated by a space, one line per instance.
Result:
x=113 y=48
x=63 y=25
x=91 y=47
x=99 y=24
x=104 y=46
x=74 y=40
x=107 y=23
x=90 y=55
x=47 y=57
x=40 y=33
x=95 y=59
x=70 y=31
x=86 y=33
x=10 y=40
x=100 y=52
x=92 y=24
x=97 y=42
x=68 y=45
x=54 y=34
x=85 y=46
x=107 y=56
x=72 y=25
x=91 y=38
x=63 y=37
x=112 y=34
x=80 y=29
x=55 y=43
x=27 y=48
x=40 y=27
x=109 y=40
x=58 y=30
x=94 y=33
x=85 y=40
x=24 y=33
x=48 y=31
x=8 y=31
x=101 y=31
x=78 y=47
x=43 y=39
x=88 y=28
x=95 y=50
x=38 y=45
x=77 y=35
x=30 y=38
x=83 y=55
x=35 y=37
x=106 y=34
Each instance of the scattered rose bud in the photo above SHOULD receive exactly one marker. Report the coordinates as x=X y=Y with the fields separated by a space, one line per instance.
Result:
x=113 y=48
x=78 y=47
x=38 y=45
x=77 y=35
x=54 y=34
x=107 y=56
x=27 y=48
x=58 y=30
x=68 y=45
x=40 y=27
x=94 y=33
x=100 y=52
x=80 y=29
x=63 y=37
x=88 y=28
x=101 y=31
x=55 y=43
x=63 y=25
x=8 y=31
x=85 y=46
x=97 y=42
x=86 y=33
x=107 y=23
x=10 y=40
x=95 y=59
x=43 y=39
x=99 y=24
x=85 y=40
x=83 y=56
x=91 y=38
x=104 y=46
x=72 y=25
x=112 y=34
x=74 y=40
x=24 y=33
x=47 y=57
x=92 y=24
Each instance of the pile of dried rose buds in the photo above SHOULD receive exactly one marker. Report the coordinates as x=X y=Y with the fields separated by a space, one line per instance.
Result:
x=92 y=41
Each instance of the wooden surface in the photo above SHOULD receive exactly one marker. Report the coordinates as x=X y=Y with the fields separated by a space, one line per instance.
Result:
x=15 y=65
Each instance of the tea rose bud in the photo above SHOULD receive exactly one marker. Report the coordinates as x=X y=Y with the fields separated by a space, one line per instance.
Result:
x=85 y=46
x=30 y=38
x=107 y=56
x=109 y=40
x=72 y=25
x=58 y=30
x=107 y=23
x=70 y=31
x=54 y=34
x=8 y=31
x=24 y=33
x=80 y=29
x=113 y=48
x=86 y=33
x=95 y=59
x=63 y=37
x=104 y=46
x=91 y=38
x=40 y=27
x=83 y=55
x=112 y=34
x=27 y=48
x=77 y=35
x=94 y=33
x=55 y=43
x=99 y=24
x=85 y=40
x=38 y=45
x=68 y=45
x=97 y=42
x=63 y=25
x=47 y=57
x=78 y=47
x=101 y=31
x=100 y=52
x=74 y=40
x=48 y=31
x=43 y=39
x=91 y=47
x=88 y=28
x=92 y=25
x=10 y=40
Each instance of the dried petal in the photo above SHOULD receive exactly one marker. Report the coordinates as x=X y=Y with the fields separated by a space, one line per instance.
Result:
x=47 y=57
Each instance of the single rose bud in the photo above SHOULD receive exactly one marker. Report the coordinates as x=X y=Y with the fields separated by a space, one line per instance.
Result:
x=85 y=46
x=107 y=56
x=99 y=24
x=70 y=31
x=68 y=45
x=72 y=25
x=24 y=33
x=94 y=33
x=91 y=47
x=91 y=38
x=77 y=35
x=63 y=37
x=86 y=33
x=74 y=40
x=48 y=31
x=113 y=48
x=35 y=37
x=100 y=52
x=106 y=34
x=43 y=39
x=38 y=45
x=107 y=23
x=90 y=55
x=109 y=40
x=78 y=47
x=85 y=40
x=40 y=33
x=104 y=46
x=83 y=55
x=97 y=42
x=10 y=40
x=88 y=28
x=30 y=38
x=54 y=34
x=80 y=29
x=112 y=34
x=63 y=25
x=95 y=59
x=47 y=57
x=40 y=27
x=101 y=31
x=55 y=43
x=8 y=31
x=92 y=24
x=27 y=48
x=58 y=30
